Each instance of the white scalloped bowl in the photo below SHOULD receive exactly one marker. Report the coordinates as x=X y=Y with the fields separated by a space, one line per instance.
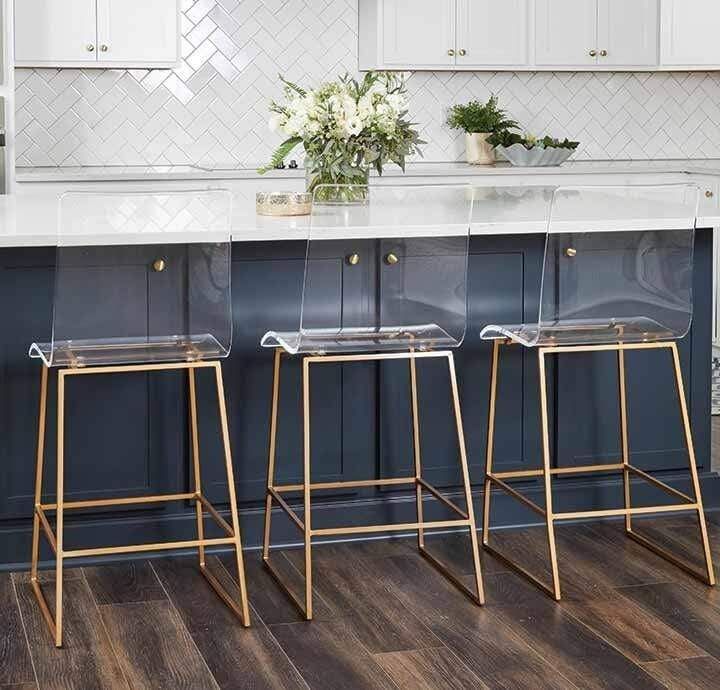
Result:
x=536 y=157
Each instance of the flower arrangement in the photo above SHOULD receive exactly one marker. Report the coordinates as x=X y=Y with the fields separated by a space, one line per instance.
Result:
x=345 y=127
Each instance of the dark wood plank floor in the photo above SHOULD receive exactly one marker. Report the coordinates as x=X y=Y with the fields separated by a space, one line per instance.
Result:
x=385 y=619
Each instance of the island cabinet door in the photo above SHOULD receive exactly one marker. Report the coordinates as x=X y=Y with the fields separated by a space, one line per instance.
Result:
x=124 y=434
x=503 y=288
x=267 y=281
x=588 y=418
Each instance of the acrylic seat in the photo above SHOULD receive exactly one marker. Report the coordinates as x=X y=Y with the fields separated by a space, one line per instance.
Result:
x=617 y=276
x=142 y=284
x=404 y=251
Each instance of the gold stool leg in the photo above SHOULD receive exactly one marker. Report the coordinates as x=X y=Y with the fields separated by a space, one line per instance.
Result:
x=624 y=440
x=490 y=441
x=693 y=466
x=416 y=450
x=195 y=439
x=306 y=490
x=272 y=452
x=466 y=481
x=39 y=466
x=547 y=477
x=233 y=498
x=60 y=508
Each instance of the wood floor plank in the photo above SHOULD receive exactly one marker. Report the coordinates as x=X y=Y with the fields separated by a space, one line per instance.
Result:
x=20 y=686
x=428 y=669
x=377 y=617
x=687 y=674
x=237 y=657
x=329 y=656
x=154 y=648
x=485 y=644
x=87 y=659
x=639 y=635
x=455 y=551
x=681 y=610
x=131 y=582
x=15 y=664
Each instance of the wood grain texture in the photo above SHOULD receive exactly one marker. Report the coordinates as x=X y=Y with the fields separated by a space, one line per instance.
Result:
x=124 y=583
x=701 y=673
x=15 y=664
x=154 y=648
x=236 y=656
x=428 y=669
x=87 y=659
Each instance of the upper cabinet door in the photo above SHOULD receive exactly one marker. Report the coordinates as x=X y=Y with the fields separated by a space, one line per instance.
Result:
x=566 y=32
x=418 y=32
x=491 y=32
x=627 y=32
x=138 y=31
x=48 y=32
x=689 y=32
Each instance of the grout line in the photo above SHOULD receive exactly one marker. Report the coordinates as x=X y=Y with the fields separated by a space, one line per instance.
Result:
x=182 y=622
x=25 y=633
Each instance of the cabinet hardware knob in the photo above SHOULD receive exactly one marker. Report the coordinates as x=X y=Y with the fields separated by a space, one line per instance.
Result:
x=570 y=252
x=353 y=259
x=603 y=53
x=451 y=52
x=709 y=194
x=462 y=52
x=391 y=259
x=593 y=53
x=159 y=265
x=90 y=47
x=104 y=48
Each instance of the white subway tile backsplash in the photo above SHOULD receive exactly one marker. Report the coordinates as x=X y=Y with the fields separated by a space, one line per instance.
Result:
x=212 y=109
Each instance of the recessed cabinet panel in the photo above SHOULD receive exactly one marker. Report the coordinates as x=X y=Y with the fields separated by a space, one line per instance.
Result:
x=689 y=32
x=627 y=32
x=566 y=32
x=137 y=31
x=418 y=32
x=48 y=31
x=491 y=32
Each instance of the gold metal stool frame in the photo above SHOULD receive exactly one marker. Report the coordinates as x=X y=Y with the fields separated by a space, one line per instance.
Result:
x=692 y=503
x=55 y=539
x=275 y=492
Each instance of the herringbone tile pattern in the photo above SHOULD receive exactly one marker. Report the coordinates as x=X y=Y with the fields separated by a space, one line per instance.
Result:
x=212 y=110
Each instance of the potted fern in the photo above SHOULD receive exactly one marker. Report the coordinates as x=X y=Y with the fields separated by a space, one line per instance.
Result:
x=479 y=121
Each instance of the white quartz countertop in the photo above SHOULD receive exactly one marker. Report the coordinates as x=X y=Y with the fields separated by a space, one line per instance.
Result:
x=509 y=200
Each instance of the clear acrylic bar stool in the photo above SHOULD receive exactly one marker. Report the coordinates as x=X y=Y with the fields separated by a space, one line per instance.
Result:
x=617 y=277
x=108 y=246
x=409 y=248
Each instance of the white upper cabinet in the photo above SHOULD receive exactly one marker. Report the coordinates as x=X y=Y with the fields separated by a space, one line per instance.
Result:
x=49 y=32
x=97 y=33
x=491 y=32
x=627 y=32
x=566 y=32
x=418 y=32
x=690 y=33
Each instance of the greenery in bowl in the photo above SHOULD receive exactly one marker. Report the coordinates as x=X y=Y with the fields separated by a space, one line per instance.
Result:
x=529 y=141
x=480 y=118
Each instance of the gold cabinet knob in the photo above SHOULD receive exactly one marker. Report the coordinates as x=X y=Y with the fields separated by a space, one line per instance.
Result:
x=462 y=52
x=593 y=53
x=603 y=53
x=451 y=52
x=90 y=47
x=159 y=265
x=391 y=259
x=571 y=251
x=104 y=48
x=709 y=194
x=353 y=259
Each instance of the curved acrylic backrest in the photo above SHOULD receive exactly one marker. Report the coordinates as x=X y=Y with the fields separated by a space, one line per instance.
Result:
x=386 y=269
x=141 y=278
x=618 y=267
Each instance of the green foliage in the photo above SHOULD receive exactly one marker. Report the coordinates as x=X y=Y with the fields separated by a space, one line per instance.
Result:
x=475 y=117
x=529 y=141
x=280 y=154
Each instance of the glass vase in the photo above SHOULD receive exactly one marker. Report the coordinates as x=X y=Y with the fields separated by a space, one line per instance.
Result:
x=336 y=188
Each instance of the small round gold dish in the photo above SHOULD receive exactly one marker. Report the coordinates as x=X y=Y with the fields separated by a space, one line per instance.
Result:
x=283 y=203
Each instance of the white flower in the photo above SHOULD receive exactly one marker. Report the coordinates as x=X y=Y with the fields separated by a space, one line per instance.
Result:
x=353 y=126
x=276 y=122
x=396 y=102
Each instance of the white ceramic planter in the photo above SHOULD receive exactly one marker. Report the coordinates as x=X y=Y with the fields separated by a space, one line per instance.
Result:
x=477 y=149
